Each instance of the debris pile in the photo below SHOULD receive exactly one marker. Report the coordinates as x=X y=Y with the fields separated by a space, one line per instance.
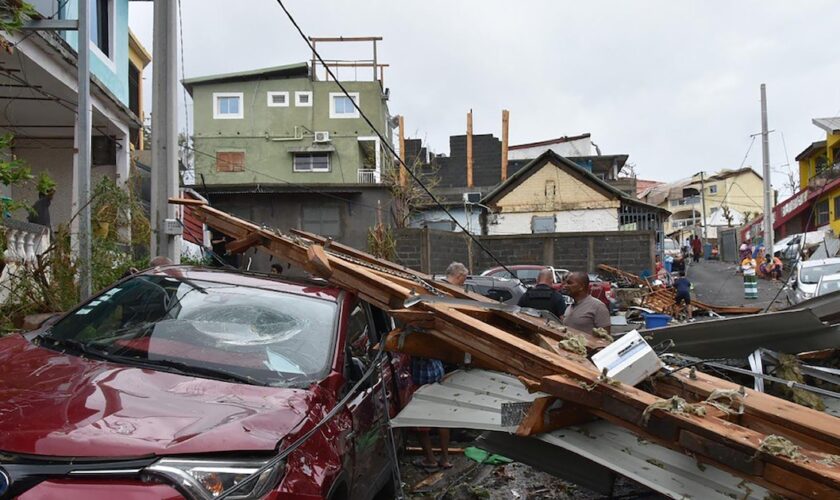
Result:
x=472 y=332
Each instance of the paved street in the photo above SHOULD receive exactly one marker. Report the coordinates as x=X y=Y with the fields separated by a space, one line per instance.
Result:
x=717 y=283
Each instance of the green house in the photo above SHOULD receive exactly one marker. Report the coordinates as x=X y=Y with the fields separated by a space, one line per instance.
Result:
x=287 y=150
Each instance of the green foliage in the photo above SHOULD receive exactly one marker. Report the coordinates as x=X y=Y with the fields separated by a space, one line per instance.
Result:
x=13 y=14
x=50 y=284
x=13 y=171
x=46 y=184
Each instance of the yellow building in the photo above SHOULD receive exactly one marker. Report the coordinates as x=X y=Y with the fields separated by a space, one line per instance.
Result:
x=138 y=59
x=819 y=175
x=729 y=197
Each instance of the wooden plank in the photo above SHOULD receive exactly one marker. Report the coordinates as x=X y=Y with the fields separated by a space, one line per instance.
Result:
x=470 y=149
x=319 y=261
x=187 y=202
x=243 y=244
x=505 y=125
x=541 y=418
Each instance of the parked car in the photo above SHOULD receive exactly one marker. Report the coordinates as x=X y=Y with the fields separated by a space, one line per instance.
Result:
x=829 y=283
x=527 y=274
x=806 y=277
x=182 y=381
x=502 y=289
x=790 y=247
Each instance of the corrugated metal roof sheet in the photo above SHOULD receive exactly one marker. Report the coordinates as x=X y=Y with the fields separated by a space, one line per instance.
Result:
x=473 y=400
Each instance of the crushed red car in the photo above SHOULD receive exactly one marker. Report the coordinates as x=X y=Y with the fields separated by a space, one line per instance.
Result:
x=183 y=381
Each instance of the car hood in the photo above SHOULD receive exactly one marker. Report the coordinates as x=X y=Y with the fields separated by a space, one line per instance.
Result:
x=55 y=404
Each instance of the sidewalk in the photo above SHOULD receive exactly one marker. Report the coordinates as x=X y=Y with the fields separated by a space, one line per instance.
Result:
x=717 y=283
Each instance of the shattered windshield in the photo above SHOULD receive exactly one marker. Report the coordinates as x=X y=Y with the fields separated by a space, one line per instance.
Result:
x=811 y=275
x=205 y=328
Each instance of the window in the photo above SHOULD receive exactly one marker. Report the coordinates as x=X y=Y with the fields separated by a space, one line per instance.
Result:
x=822 y=213
x=227 y=105
x=100 y=25
x=278 y=99
x=550 y=189
x=303 y=99
x=713 y=189
x=342 y=107
x=230 y=161
x=837 y=208
x=312 y=162
x=322 y=219
x=542 y=224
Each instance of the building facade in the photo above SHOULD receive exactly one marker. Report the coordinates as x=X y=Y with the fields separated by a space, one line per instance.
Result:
x=282 y=148
x=40 y=79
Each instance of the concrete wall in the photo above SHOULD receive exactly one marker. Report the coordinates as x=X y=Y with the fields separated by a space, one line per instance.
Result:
x=113 y=71
x=602 y=219
x=431 y=251
x=553 y=189
x=580 y=147
x=284 y=211
x=268 y=134
x=470 y=220
x=56 y=158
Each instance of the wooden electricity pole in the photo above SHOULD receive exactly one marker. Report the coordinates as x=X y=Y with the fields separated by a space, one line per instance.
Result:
x=505 y=123
x=469 y=150
x=402 y=152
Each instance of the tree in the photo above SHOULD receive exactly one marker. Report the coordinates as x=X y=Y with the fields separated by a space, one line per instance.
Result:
x=13 y=15
x=409 y=196
x=727 y=214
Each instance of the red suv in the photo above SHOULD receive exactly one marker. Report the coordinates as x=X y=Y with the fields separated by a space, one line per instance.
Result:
x=184 y=381
x=527 y=274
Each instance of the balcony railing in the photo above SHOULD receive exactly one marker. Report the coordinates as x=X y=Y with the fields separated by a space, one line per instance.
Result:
x=826 y=175
x=688 y=200
x=24 y=243
x=368 y=176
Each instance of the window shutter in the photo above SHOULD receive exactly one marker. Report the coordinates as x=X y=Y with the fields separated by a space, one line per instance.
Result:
x=230 y=161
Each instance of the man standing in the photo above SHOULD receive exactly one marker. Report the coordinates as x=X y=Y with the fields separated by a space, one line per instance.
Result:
x=696 y=248
x=587 y=313
x=542 y=296
x=456 y=274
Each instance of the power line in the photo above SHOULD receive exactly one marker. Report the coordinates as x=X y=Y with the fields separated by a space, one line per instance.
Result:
x=384 y=141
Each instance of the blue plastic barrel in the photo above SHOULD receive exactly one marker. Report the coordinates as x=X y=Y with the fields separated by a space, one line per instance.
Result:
x=656 y=320
x=707 y=251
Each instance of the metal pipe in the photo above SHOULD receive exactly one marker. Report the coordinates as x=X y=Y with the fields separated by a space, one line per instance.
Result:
x=84 y=138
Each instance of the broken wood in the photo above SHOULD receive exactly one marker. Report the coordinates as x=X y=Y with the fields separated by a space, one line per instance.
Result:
x=318 y=261
x=510 y=342
x=243 y=244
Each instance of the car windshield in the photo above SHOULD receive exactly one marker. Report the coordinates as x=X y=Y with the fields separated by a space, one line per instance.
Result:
x=828 y=286
x=811 y=275
x=205 y=328
x=527 y=275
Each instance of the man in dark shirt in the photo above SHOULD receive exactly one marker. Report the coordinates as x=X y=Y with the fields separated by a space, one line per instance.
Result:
x=542 y=296
x=683 y=289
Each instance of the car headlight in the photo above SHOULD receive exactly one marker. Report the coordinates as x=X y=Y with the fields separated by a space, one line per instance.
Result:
x=207 y=479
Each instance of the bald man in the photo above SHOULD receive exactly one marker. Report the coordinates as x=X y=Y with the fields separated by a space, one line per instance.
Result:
x=543 y=296
x=587 y=313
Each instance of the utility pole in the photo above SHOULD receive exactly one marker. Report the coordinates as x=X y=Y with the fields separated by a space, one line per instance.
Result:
x=768 y=190
x=703 y=203
x=166 y=230
x=83 y=137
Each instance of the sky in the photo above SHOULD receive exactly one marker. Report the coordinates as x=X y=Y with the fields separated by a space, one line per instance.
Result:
x=676 y=85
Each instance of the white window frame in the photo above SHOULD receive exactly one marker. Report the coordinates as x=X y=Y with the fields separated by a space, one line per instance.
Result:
x=226 y=116
x=270 y=98
x=301 y=104
x=354 y=114
x=312 y=170
x=109 y=61
x=713 y=189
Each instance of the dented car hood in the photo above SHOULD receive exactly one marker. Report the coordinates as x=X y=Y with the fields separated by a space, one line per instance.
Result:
x=54 y=404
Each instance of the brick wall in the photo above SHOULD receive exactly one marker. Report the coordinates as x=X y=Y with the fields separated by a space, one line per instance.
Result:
x=431 y=251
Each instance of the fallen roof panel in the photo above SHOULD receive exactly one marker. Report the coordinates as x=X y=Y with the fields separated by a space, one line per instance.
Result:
x=473 y=399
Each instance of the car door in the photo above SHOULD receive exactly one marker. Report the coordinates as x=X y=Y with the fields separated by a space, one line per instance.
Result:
x=366 y=408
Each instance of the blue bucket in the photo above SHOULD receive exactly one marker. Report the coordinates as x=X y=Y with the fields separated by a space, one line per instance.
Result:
x=656 y=320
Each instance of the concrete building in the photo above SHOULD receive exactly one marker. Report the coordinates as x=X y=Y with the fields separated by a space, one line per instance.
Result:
x=38 y=82
x=731 y=196
x=280 y=147
x=552 y=194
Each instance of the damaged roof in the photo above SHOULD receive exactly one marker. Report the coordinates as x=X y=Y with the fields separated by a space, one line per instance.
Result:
x=286 y=71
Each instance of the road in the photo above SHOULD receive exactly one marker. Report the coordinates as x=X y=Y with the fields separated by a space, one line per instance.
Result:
x=717 y=283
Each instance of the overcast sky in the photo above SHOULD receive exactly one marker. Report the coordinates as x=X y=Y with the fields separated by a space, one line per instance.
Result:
x=673 y=84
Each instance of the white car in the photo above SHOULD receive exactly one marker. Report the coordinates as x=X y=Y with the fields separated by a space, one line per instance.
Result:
x=806 y=278
x=828 y=284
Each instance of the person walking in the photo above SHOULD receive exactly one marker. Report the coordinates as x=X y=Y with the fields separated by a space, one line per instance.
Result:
x=696 y=248
x=587 y=313
x=750 y=282
x=543 y=296
x=683 y=298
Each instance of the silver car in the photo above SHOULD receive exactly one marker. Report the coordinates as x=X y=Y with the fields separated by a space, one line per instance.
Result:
x=806 y=277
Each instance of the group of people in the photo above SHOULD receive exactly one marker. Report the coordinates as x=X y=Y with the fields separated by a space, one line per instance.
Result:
x=756 y=263
x=585 y=314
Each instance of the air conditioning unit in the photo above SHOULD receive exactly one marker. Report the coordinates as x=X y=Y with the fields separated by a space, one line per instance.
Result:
x=322 y=137
x=472 y=197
